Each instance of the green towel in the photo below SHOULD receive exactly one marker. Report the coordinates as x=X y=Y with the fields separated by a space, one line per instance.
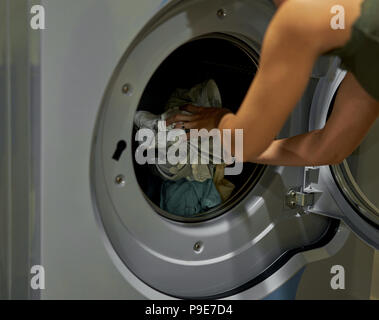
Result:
x=187 y=198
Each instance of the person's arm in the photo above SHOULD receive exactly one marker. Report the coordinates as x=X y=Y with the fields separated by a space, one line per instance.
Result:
x=353 y=114
x=278 y=3
x=298 y=34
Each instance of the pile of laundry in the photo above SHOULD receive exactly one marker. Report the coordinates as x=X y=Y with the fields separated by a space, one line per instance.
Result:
x=188 y=189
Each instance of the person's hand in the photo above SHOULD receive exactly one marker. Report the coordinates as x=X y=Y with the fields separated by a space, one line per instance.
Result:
x=200 y=118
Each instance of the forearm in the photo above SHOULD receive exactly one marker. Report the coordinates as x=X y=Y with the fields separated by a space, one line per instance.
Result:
x=353 y=114
x=302 y=150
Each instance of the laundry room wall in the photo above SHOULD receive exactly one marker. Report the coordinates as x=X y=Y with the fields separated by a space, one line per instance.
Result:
x=37 y=217
x=4 y=155
x=81 y=46
x=375 y=277
x=19 y=48
x=357 y=259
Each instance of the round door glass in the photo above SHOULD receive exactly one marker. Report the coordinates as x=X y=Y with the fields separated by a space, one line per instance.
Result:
x=230 y=65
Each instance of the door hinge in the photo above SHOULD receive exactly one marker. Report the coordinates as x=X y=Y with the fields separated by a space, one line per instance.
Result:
x=295 y=199
x=305 y=195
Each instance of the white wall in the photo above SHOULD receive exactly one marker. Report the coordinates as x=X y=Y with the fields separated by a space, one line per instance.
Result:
x=81 y=46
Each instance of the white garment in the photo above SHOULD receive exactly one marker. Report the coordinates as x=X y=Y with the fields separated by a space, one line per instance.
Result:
x=205 y=94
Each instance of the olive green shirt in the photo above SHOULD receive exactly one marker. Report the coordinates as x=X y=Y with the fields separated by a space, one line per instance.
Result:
x=361 y=53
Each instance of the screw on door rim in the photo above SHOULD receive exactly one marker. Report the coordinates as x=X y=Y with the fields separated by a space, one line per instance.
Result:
x=221 y=13
x=120 y=180
x=127 y=89
x=198 y=247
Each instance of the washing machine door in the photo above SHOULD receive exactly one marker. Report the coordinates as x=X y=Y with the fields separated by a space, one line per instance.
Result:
x=238 y=244
x=348 y=191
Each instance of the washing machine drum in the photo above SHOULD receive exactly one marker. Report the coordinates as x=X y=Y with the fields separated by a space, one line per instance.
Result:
x=230 y=247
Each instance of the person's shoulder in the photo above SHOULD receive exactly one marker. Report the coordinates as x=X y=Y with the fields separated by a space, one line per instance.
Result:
x=312 y=20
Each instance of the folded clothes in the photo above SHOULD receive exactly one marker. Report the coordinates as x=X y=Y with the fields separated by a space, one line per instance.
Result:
x=187 y=198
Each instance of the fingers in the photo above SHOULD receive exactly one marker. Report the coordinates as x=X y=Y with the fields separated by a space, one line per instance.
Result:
x=187 y=125
x=185 y=117
x=180 y=118
x=191 y=108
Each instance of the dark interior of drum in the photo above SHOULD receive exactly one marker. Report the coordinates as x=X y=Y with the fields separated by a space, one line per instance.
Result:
x=233 y=68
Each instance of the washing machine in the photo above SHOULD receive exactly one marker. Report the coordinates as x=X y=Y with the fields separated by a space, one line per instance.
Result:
x=88 y=217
